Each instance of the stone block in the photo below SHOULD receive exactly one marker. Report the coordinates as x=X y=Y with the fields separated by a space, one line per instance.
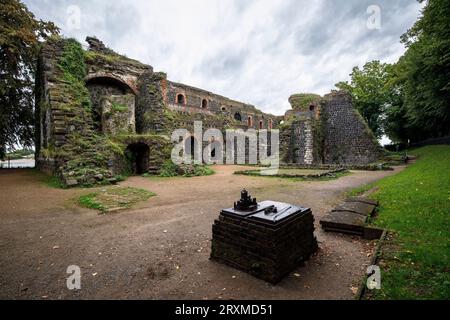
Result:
x=71 y=182
x=344 y=221
x=265 y=248
x=356 y=207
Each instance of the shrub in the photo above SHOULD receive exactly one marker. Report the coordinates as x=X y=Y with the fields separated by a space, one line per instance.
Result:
x=170 y=169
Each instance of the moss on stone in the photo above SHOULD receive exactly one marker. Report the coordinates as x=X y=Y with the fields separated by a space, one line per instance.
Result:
x=117 y=107
x=302 y=101
x=84 y=158
x=111 y=58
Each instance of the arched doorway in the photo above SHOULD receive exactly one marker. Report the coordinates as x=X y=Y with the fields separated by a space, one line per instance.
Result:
x=138 y=154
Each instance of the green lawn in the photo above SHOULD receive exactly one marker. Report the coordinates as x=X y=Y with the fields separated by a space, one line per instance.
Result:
x=114 y=198
x=415 y=205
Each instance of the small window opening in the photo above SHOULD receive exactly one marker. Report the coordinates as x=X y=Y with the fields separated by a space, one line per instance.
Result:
x=181 y=99
x=250 y=121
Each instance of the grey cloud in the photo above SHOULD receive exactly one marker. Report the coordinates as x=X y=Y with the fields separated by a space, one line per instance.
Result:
x=255 y=51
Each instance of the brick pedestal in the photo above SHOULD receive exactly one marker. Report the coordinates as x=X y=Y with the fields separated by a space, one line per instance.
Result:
x=267 y=250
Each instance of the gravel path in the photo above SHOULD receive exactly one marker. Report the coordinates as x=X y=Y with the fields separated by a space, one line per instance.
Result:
x=160 y=249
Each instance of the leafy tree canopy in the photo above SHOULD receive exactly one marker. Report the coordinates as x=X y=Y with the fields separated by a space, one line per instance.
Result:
x=368 y=90
x=20 y=33
x=410 y=100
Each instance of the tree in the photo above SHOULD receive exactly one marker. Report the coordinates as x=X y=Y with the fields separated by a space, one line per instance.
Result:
x=368 y=90
x=20 y=34
x=424 y=73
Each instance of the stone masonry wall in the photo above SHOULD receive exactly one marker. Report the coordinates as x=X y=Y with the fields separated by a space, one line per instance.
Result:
x=348 y=139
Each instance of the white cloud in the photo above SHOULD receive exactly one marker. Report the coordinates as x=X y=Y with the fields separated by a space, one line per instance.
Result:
x=259 y=52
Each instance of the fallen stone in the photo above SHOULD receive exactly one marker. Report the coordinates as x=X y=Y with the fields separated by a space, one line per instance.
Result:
x=344 y=221
x=356 y=207
x=363 y=200
x=71 y=182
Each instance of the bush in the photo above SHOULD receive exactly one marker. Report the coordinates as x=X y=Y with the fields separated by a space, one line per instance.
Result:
x=170 y=169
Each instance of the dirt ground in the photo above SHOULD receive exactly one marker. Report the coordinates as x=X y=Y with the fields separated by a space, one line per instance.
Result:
x=160 y=250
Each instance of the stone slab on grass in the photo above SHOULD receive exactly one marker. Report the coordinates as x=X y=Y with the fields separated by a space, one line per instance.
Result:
x=363 y=200
x=344 y=221
x=356 y=207
x=351 y=217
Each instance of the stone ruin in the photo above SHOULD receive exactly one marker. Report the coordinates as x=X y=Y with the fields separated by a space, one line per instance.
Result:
x=101 y=115
x=327 y=131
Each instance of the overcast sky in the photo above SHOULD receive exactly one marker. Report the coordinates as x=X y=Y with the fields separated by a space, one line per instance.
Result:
x=259 y=51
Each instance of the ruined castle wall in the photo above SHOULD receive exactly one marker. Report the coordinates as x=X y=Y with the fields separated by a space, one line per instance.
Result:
x=94 y=107
x=348 y=139
x=150 y=109
x=297 y=140
x=201 y=101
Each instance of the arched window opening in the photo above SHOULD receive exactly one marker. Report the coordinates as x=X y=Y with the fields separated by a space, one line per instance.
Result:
x=181 y=99
x=270 y=124
x=224 y=109
x=237 y=116
x=261 y=124
x=249 y=121
x=204 y=104
x=102 y=86
x=311 y=108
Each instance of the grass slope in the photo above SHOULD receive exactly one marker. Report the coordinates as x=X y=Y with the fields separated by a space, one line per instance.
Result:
x=415 y=205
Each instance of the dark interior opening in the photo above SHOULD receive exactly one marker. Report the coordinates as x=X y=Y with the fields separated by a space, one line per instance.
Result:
x=311 y=108
x=237 y=116
x=189 y=147
x=180 y=99
x=138 y=154
x=204 y=103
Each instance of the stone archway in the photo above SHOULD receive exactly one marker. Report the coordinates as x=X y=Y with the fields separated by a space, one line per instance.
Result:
x=103 y=87
x=138 y=157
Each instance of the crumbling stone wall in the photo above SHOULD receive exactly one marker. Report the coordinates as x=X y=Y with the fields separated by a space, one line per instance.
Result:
x=196 y=100
x=348 y=138
x=118 y=114
x=151 y=109
x=326 y=131
x=70 y=146
x=93 y=106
